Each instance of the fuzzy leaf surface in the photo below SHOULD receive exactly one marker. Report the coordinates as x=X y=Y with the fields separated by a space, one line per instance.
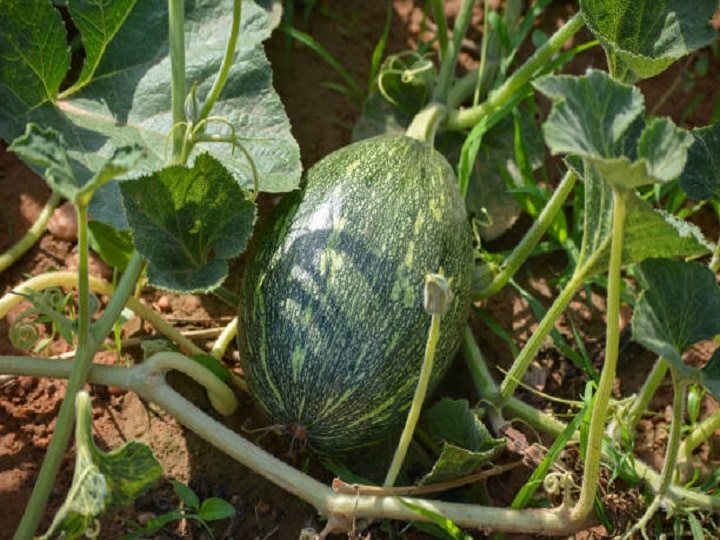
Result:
x=642 y=39
x=679 y=306
x=600 y=120
x=187 y=221
x=46 y=149
x=701 y=177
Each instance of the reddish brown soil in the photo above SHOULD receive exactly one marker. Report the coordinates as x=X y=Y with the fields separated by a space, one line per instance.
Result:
x=321 y=119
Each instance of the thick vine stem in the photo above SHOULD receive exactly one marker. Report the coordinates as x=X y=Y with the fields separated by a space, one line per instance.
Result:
x=220 y=395
x=701 y=433
x=601 y=399
x=33 y=234
x=148 y=382
x=151 y=385
x=522 y=251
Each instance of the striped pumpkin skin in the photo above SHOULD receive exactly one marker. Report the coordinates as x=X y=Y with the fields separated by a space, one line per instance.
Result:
x=333 y=328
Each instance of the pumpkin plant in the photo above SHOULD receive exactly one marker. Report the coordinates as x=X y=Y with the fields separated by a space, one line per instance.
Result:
x=356 y=295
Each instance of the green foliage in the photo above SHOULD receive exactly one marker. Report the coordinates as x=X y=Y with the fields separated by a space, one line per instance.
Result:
x=187 y=221
x=211 y=509
x=122 y=96
x=679 y=306
x=101 y=480
x=701 y=178
x=467 y=443
x=599 y=119
x=642 y=39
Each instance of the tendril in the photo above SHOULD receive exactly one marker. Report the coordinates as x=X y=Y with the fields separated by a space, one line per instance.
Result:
x=24 y=333
x=47 y=307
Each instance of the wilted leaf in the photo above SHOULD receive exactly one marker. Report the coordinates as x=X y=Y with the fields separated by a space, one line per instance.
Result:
x=101 y=480
x=187 y=221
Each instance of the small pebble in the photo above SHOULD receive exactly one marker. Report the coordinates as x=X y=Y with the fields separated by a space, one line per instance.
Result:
x=63 y=223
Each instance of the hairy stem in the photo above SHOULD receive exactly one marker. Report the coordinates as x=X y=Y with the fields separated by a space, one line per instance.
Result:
x=33 y=234
x=601 y=400
x=528 y=352
x=80 y=368
x=222 y=74
x=701 y=433
x=522 y=251
x=642 y=400
x=425 y=124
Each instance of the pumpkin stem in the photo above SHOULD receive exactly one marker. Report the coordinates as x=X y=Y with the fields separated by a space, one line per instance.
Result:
x=425 y=124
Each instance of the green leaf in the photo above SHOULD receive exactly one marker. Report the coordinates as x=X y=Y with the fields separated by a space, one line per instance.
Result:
x=679 y=306
x=46 y=149
x=701 y=177
x=591 y=114
x=213 y=509
x=126 y=98
x=101 y=480
x=34 y=57
x=98 y=22
x=642 y=39
x=114 y=247
x=710 y=374
x=467 y=442
x=600 y=120
x=186 y=222
x=648 y=232
x=187 y=495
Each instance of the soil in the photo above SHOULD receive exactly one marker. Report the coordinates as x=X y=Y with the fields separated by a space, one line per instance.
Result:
x=322 y=119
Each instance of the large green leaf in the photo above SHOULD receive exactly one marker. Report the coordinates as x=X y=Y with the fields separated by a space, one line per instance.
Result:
x=642 y=39
x=600 y=120
x=34 y=58
x=467 y=443
x=648 y=232
x=98 y=23
x=123 y=94
x=679 y=306
x=187 y=221
x=701 y=177
x=101 y=480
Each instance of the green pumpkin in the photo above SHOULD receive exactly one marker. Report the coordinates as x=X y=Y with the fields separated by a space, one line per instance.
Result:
x=332 y=327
